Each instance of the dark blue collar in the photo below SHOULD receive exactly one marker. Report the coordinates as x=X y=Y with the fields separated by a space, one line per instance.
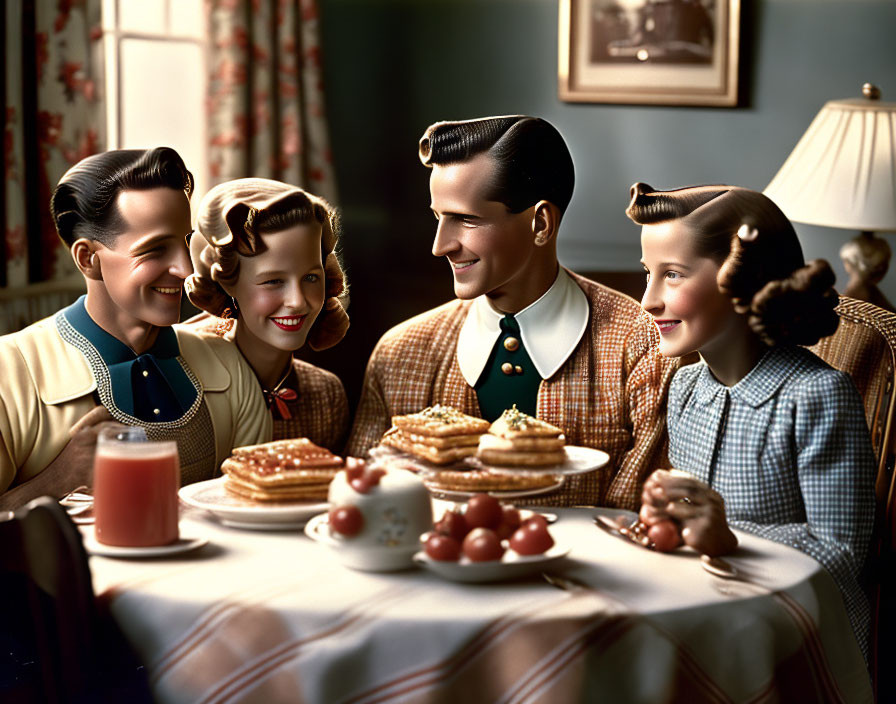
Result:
x=111 y=349
x=152 y=386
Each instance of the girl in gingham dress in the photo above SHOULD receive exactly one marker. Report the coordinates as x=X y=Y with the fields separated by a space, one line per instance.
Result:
x=266 y=269
x=774 y=441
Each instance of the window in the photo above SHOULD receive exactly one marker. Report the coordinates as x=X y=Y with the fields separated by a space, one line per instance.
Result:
x=155 y=59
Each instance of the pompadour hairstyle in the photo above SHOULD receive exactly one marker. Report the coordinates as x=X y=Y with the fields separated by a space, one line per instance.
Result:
x=532 y=162
x=84 y=202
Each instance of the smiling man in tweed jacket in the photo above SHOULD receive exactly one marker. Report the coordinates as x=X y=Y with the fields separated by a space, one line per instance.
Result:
x=523 y=329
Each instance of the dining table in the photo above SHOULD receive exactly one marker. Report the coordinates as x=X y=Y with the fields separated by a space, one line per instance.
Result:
x=273 y=616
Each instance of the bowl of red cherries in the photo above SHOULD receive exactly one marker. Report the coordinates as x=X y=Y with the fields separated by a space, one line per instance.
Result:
x=487 y=541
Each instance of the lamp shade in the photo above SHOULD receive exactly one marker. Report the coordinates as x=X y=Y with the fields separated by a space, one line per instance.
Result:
x=842 y=173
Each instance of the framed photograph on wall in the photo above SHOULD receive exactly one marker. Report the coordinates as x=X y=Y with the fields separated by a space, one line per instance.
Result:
x=649 y=52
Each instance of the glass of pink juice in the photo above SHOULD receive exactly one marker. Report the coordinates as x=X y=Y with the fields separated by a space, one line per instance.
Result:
x=135 y=483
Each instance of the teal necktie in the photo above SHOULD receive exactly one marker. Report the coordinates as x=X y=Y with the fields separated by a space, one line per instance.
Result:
x=509 y=376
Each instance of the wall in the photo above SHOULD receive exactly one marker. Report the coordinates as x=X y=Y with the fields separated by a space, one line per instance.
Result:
x=394 y=66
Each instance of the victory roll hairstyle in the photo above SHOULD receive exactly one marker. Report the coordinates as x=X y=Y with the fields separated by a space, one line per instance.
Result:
x=532 y=162
x=232 y=216
x=84 y=202
x=762 y=269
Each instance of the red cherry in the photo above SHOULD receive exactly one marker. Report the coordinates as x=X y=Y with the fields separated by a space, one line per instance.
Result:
x=443 y=548
x=482 y=545
x=664 y=535
x=510 y=521
x=532 y=537
x=361 y=484
x=483 y=511
x=346 y=520
x=454 y=524
x=537 y=520
x=354 y=468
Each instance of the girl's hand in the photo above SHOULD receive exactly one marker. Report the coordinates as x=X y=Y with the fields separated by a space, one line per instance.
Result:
x=699 y=510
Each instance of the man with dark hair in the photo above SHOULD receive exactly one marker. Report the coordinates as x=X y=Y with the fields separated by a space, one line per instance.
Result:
x=113 y=354
x=523 y=330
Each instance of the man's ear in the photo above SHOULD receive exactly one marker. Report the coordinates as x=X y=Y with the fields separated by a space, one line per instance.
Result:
x=88 y=263
x=545 y=222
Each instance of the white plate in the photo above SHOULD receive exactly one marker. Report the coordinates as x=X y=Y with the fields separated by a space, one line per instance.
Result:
x=367 y=558
x=511 y=566
x=458 y=495
x=185 y=543
x=578 y=461
x=233 y=511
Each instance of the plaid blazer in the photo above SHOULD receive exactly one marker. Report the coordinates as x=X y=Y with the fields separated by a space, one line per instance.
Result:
x=610 y=394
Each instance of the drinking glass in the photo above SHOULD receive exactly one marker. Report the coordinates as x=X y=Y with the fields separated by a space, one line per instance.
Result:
x=135 y=483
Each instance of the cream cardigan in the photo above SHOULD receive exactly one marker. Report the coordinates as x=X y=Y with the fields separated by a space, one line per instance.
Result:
x=46 y=386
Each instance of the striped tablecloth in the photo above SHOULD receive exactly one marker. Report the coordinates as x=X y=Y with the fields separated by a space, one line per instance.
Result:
x=273 y=617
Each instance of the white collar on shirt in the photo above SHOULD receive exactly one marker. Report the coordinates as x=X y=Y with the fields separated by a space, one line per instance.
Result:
x=551 y=327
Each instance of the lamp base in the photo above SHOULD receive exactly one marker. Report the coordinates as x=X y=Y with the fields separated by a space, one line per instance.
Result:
x=866 y=259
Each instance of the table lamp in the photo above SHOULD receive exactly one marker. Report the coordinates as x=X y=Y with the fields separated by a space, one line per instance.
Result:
x=842 y=173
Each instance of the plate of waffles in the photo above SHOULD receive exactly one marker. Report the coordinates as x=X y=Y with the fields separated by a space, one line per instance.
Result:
x=461 y=488
x=459 y=480
x=517 y=443
x=578 y=460
x=238 y=512
x=274 y=485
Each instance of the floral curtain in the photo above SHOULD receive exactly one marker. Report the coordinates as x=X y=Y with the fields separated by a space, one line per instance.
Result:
x=53 y=117
x=266 y=101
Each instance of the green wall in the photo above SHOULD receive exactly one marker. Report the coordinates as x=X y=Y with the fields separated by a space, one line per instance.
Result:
x=394 y=66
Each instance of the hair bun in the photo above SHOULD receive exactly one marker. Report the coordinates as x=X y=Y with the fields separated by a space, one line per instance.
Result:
x=798 y=310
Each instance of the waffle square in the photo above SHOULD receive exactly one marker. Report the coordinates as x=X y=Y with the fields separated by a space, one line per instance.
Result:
x=440 y=421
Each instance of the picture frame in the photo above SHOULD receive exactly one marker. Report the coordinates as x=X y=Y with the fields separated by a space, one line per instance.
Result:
x=649 y=52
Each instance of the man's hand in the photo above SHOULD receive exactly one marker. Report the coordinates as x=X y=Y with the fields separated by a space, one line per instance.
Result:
x=73 y=467
x=75 y=462
x=699 y=510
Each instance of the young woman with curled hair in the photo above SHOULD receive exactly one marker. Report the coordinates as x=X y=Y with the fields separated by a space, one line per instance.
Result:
x=266 y=269
x=766 y=436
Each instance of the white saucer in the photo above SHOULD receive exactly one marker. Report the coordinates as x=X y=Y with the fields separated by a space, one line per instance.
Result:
x=236 y=512
x=185 y=543
x=367 y=558
x=511 y=566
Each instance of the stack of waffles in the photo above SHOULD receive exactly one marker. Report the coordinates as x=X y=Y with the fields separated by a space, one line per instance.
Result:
x=283 y=470
x=439 y=434
x=517 y=439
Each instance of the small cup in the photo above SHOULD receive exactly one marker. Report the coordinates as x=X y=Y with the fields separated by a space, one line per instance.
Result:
x=135 y=483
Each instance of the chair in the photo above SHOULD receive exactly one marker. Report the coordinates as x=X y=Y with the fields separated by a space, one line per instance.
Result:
x=56 y=647
x=864 y=346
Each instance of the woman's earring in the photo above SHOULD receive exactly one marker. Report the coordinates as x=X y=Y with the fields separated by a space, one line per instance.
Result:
x=539 y=240
x=231 y=311
x=227 y=318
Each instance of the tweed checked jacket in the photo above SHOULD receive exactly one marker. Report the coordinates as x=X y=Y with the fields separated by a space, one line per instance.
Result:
x=609 y=394
x=320 y=413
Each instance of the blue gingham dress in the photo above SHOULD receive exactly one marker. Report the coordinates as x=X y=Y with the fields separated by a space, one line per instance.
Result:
x=788 y=449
